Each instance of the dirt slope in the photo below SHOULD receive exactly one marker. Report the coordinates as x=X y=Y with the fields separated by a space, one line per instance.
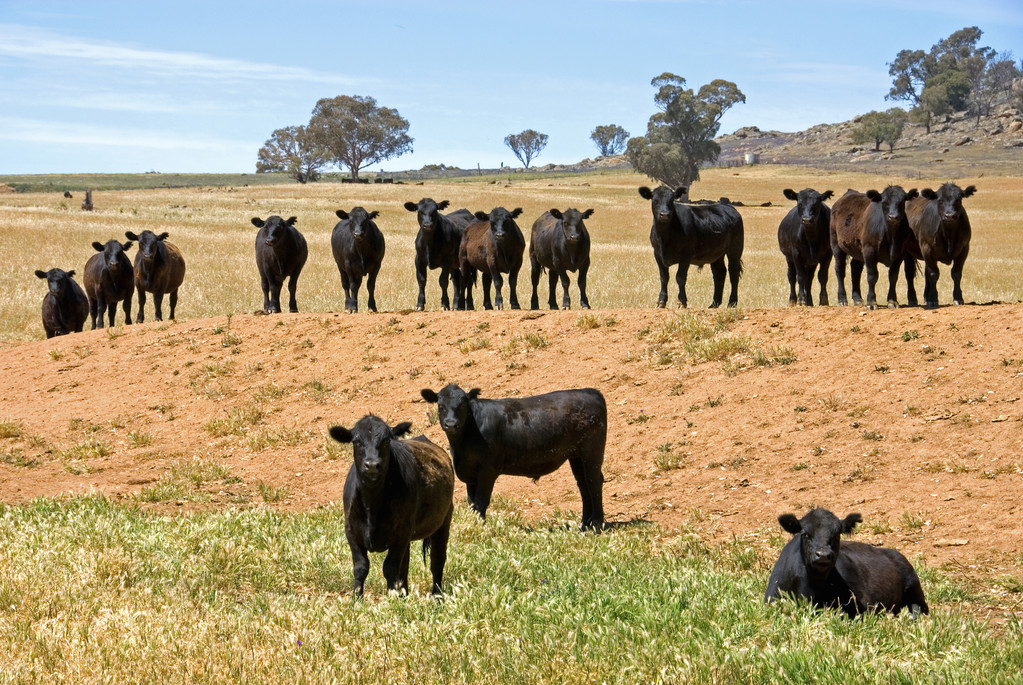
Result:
x=911 y=417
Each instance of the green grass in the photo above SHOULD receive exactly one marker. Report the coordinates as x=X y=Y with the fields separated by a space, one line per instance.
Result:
x=95 y=591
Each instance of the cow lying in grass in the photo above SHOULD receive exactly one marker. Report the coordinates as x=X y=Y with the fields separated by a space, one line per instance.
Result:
x=852 y=576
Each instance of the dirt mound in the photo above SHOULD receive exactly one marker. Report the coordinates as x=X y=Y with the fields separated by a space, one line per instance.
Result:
x=911 y=417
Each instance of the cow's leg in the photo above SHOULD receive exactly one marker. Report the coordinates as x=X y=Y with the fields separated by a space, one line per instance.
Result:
x=111 y=313
x=470 y=494
x=552 y=281
x=893 y=280
x=822 y=278
x=96 y=312
x=158 y=306
x=734 y=274
x=870 y=263
x=360 y=566
x=173 y=302
x=127 y=309
x=439 y=553
x=662 y=271
x=346 y=285
x=840 y=259
x=484 y=491
x=356 y=283
x=421 y=280
x=855 y=271
x=485 y=280
x=718 y=272
x=468 y=282
x=513 y=287
x=957 y=279
x=396 y=567
x=931 y=274
x=141 y=316
x=566 y=300
x=680 y=278
x=268 y=307
x=371 y=289
x=498 y=280
x=805 y=277
x=909 y=268
x=590 y=480
x=535 y=270
x=793 y=277
x=584 y=302
x=292 y=289
x=445 y=303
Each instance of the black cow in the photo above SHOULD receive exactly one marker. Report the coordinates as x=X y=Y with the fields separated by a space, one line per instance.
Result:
x=804 y=237
x=281 y=252
x=852 y=576
x=109 y=279
x=942 y=231
x=493 y=244
x=396 y=491
x=159 y=269
x=358 y=247
x=528 y=436
x=871 y=228
x=65 y=306
x=437 y=247
x=560 y=243
x=695 y=234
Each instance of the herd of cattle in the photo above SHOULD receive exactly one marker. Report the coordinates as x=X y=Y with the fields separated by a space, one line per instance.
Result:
x=399 y=490
x=894 y=227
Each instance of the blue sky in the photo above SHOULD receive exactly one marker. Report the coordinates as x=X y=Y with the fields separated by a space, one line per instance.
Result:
x=191 y=86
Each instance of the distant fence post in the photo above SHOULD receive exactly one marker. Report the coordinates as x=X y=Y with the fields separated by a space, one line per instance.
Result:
x=87 y=202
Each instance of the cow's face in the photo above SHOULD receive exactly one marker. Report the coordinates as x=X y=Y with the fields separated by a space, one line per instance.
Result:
x=662 y=201
x=275 y=228
x=371 y=446
x=820 y=534
x=572 y=225
x=502 y=221
x=57 y=280
x=358 y=221
x=893 y=203
x=808 y=204
x=427 y=213
x=950 y=201
x=113 y=253
x=453 y=406
x=149 y=243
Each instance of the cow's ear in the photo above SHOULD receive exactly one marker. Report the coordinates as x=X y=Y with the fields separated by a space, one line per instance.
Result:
x=473 y=394
x=929 y=194
x=411 y=206
x=516 y=212
x=70 y=274
x=341 y=214
x=969 y=190
x=341 y=434
x=827 y=195
x=401 y=429
x=914 y=193
x=790 y=523
x=97 y=245
x=127 y=246
x=588 y=213
x=256 y=221
x=849 y=522
x=790 y=194
x=130 y=236
x=556 y=213
x=40 y=274
x=873 y=195
x=429 y=395
x=374 y=214
x=163 y=236
x=292 y=220
x=443 y=204
x=680 y=191
x=481 y=215
x=646 y=193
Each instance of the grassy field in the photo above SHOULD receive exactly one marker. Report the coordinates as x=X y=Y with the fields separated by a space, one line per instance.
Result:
x=211 y=226
x=96 y=592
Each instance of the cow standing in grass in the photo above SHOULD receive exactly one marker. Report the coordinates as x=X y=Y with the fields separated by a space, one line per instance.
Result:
x=159 y=269
x=804 y=237
x=852 y=576
x=437 y=243
x=492 y=245
x=281 y=252
x=396 y=491
x=358 y=248
x=560 y=243
x=65 y=306
x=109 y=279
x=687 y=234
x=942 y=233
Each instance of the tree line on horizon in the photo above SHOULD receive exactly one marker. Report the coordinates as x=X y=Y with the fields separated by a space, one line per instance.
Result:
x=955 y=75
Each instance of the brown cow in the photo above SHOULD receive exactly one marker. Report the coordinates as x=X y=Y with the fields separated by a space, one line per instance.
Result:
x=942 y=231
x=871 y=228
x=492 y=244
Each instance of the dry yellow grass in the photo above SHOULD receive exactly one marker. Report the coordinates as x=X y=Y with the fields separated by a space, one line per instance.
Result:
x=212 y=228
